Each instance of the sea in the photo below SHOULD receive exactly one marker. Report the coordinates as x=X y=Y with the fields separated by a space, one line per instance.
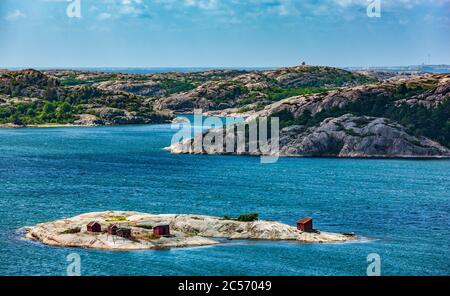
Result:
x=399 y=209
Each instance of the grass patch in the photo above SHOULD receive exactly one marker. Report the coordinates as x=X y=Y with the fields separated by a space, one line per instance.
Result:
x=71 y=230
x=153 y=236
x=117 y=219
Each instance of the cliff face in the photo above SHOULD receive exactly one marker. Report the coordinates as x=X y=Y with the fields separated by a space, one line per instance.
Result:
x=352 y=136
x=344 y=136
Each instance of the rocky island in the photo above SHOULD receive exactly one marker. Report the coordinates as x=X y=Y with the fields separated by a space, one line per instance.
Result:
x=117 y=230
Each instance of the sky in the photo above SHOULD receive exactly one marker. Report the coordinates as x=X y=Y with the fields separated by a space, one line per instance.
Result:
x=223 y=33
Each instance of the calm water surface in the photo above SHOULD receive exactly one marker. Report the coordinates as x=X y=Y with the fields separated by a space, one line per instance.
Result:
x=402 y=207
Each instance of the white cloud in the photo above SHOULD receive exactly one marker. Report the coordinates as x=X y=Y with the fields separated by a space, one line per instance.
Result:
x=104 y=16
x=203 y=4
x=15 y=15
x=241 y=11
x=124 y=8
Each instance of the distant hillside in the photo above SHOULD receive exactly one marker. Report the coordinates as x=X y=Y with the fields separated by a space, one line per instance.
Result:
x=398 y=118
x=256 y=89
x=436 y=69
x=29 y=97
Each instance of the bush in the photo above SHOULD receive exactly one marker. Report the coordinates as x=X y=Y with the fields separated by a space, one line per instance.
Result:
x=226 y=217
x=149 y=227
x=248 y=217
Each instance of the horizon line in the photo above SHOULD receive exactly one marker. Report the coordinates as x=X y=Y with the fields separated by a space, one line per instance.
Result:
x=205 y=67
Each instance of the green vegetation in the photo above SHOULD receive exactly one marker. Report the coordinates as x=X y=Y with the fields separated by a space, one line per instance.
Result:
x=117 y=219
x=433 y=123
x=243 y=218
x=149 y=227
x=71 y=231
x=61 y=105
x=72 y=80
x=248 y=217
x=277 y=94
x=175 y=86
x=37 y=113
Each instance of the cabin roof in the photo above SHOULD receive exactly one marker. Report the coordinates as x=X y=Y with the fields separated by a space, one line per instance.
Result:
x=93 y=223
x=304 y=220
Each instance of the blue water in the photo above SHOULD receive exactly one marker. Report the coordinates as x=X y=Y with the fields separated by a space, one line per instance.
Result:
x=402 y=207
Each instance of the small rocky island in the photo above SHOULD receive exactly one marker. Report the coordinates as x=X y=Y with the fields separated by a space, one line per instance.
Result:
x=117 y=230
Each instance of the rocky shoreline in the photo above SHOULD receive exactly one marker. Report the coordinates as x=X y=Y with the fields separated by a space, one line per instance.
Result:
x=404 y=118
x=185 y=231
x=347 y=136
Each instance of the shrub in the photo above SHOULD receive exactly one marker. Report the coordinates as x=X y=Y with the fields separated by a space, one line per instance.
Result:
x=145 y=226
x=248 y=217
x=243 y=218
x=226 y=217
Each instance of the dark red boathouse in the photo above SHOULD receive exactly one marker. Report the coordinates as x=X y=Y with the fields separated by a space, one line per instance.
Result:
x=94 y=227
x=305 y=224
x=161 y=230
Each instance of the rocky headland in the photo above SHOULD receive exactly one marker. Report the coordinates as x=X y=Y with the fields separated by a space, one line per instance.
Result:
x=396 y=118
x=185 y=231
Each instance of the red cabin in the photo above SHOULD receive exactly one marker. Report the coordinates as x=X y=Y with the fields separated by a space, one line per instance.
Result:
x=306 y=225
x=94 y=227
x=112 y=229
x=161 y=230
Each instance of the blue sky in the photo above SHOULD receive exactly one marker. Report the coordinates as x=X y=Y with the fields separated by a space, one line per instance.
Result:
x=222 y=33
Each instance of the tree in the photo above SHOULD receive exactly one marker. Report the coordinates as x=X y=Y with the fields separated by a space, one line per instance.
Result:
x=51 y=94
x=48 y=108
x=64 y=110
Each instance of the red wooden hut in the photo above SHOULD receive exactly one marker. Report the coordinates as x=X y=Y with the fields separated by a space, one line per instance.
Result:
x=305 y=224
x=161 y=230
x=112 y=229
x=94 y=227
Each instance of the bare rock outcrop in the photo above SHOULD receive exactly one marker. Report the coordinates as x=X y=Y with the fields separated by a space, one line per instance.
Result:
x=352 y=136
x=212 y=95
x=142 y=88
x=344 y=136
x=433 y=97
